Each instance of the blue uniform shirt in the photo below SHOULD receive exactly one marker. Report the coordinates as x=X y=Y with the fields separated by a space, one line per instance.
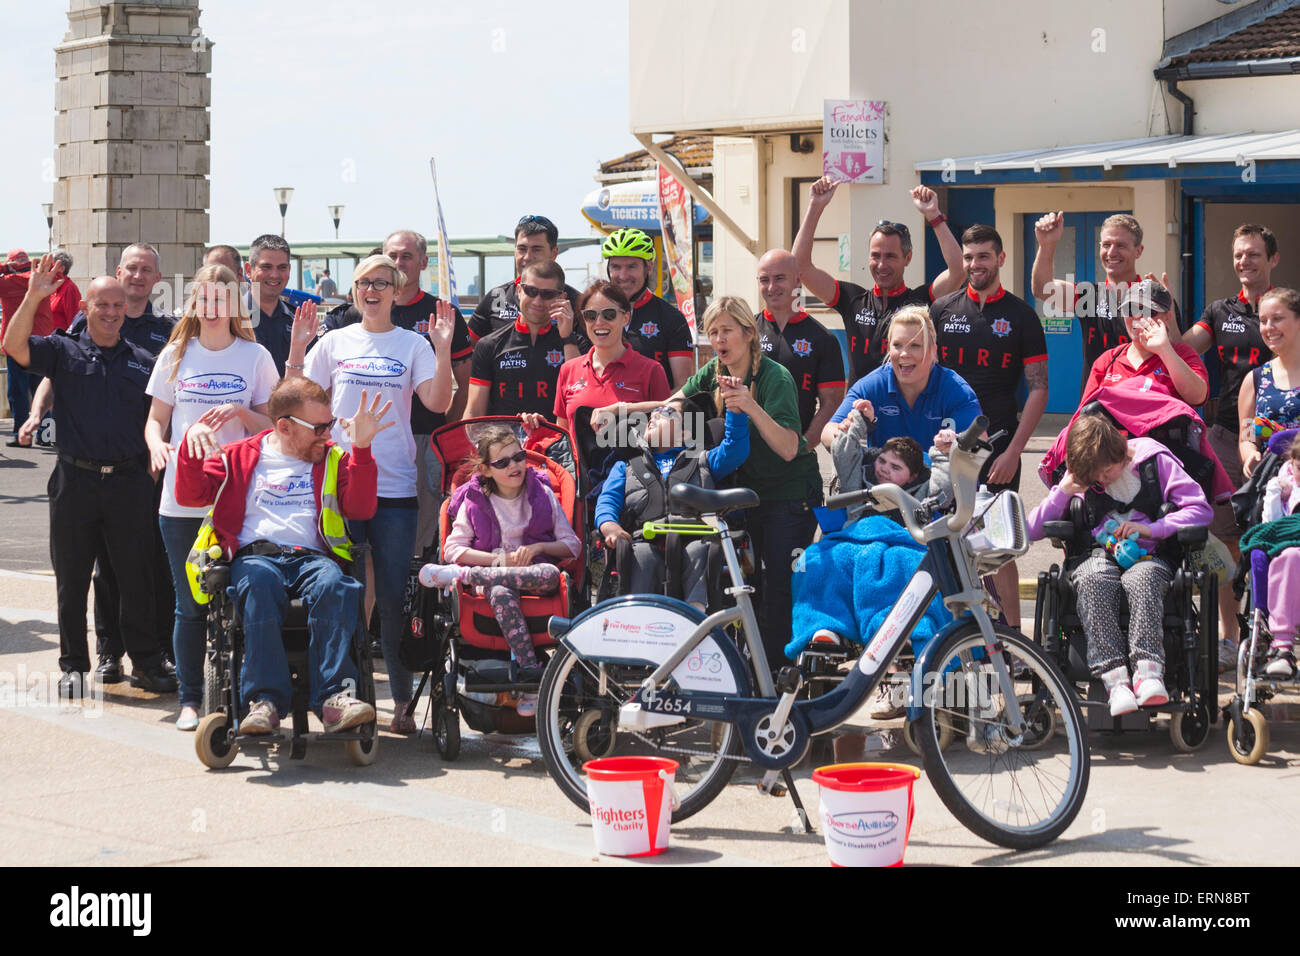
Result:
x=99 y=394
x=149 y=330
x=274 y=332
x=946 y=402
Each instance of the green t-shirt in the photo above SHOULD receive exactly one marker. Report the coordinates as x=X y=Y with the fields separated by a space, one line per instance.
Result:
x=766 y=472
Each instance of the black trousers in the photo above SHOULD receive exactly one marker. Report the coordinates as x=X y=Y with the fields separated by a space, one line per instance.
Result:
x=108 y=638
x=90 y=513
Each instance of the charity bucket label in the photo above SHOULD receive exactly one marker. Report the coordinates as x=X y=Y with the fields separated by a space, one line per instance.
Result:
x=631 y=817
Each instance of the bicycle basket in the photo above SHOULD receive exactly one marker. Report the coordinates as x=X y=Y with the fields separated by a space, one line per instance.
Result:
x=997 y=533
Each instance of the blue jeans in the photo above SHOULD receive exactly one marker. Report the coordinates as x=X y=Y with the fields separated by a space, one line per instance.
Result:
x=189 y=632
x=20 y=387
x=263 y=584
x=391 y=536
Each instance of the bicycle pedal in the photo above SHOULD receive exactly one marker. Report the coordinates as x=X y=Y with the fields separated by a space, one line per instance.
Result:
x=772 y=784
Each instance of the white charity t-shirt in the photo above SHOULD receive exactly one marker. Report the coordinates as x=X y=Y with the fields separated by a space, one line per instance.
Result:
x=243 y=373
x=392 y=364
x=281 y=506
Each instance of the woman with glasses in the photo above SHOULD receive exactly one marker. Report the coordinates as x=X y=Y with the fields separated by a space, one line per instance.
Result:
x=377 y=357
x=210 y=386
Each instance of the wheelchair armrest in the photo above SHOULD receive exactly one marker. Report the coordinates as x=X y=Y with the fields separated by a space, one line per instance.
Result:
x=216 y=578
x=1193 y=536
x=1060 y=530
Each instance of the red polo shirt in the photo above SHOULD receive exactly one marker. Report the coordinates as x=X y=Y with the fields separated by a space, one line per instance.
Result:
x=1113 y=367
x=630 y=378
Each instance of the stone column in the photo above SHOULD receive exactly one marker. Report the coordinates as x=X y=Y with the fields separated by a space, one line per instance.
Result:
x=131 y=134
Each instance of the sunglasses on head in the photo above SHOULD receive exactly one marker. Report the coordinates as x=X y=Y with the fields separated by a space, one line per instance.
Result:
x=508 y=460
x=896 y=226
x=539 y=220
x=609 y=315
x=546 y=294
x=666 y=411
x=321 y=429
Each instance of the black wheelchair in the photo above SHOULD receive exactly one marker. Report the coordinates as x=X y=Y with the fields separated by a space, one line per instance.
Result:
x=217 y=739
x=1191 y=623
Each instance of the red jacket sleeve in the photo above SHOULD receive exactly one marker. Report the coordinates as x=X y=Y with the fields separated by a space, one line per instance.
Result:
x=197 y=479
x=358 y=484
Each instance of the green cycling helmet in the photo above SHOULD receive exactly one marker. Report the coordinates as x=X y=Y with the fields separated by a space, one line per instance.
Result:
x=628 y=242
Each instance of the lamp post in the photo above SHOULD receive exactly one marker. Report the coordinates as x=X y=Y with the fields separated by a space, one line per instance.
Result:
x=336 y=213
x=282 y=196
x=48 y=209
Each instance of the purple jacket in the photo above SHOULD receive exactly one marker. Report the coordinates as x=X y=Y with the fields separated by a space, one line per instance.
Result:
x=1184 y=493
x=483 y=518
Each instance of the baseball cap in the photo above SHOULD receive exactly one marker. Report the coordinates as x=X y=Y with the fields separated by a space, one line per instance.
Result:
x=1146 y=298
x=16 y=255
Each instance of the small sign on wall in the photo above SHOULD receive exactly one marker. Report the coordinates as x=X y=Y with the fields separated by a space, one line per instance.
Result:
x=846 y=248
x=853 y=138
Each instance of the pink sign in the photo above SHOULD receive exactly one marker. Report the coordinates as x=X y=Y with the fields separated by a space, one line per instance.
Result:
x=676 y=216
x=853 y=139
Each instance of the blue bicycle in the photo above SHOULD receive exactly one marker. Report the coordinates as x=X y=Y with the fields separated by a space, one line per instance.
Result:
x=626 y=678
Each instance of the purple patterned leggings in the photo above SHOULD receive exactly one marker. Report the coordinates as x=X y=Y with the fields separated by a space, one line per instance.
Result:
x=503 y=586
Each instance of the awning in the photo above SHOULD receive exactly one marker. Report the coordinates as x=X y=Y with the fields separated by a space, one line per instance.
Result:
x=1271 y=156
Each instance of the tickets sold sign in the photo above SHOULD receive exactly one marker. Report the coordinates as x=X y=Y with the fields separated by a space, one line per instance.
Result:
x=853 y=140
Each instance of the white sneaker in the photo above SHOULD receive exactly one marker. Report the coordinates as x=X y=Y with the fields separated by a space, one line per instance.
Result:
x=1149 y=684
x=888 y=702
x=1120 y=691
x=441 y=575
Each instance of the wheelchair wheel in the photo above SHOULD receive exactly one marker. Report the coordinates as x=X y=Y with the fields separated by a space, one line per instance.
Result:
x=1017 y=790
x=210 y=742
x=363 y=752
x=707 y=751
x=946 y=734
x=1190 y=729
x=211 y=687
x=1254 y=736
x=446 y=732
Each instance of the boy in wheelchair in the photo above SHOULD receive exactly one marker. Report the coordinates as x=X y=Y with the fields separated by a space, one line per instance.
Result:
x=636 y=491
x=278 y=503
x=1130 y=481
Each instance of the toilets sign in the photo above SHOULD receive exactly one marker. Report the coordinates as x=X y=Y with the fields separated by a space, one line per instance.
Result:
x=853 y=140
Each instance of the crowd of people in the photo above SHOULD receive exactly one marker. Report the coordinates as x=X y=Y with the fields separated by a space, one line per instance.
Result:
x=320 y=424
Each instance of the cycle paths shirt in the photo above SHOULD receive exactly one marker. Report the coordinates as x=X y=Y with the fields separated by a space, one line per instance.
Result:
x=242 y=373
x=500 y=308
x=415 y=317
x=281 y=506
x=808 y=352
x=945 y=402
x=658 y=331
x=392 y=364
x=1233 y=325
x=866 y=314
x=519 y=372
x=989 y=346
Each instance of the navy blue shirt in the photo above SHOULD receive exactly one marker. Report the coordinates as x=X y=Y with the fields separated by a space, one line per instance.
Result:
x=99 y=394
x=149 y=330
x=946 y=402
x=274 y=332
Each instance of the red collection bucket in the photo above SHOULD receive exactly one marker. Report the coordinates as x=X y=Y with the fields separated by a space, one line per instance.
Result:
x=866 y=811
x=632 y=803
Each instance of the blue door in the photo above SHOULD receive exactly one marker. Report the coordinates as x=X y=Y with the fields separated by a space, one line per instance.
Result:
x=1076 y=255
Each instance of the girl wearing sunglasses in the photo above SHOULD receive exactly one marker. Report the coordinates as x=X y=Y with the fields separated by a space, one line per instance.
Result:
x=508 y=529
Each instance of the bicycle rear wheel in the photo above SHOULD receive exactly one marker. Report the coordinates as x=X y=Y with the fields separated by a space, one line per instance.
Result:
x=578 y=721
x=1016 y=790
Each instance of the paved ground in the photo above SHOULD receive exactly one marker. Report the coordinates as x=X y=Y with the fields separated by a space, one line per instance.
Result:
x=112 y=782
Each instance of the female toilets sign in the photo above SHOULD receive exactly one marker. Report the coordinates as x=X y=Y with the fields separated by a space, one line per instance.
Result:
x=853 y=140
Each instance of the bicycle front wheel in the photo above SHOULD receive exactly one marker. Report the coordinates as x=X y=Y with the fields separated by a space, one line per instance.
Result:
x=577 y=720
x=1018 y=790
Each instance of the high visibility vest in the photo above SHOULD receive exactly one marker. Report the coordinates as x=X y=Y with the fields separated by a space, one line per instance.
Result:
x=332 y=527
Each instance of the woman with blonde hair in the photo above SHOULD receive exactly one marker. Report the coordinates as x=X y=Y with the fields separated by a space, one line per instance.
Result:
x=781 y=467
x=377 y=357
x=209 y=387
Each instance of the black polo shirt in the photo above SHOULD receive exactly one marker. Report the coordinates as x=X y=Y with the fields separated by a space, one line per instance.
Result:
x=99 y=394
x=809 y=353
x=500 y=307
x=989 y=346
x=1233 y=325
x=415 y=318
x=659 y=331
x=149 y=330
x=866 y=314
x=519 y=373
x=274 y=332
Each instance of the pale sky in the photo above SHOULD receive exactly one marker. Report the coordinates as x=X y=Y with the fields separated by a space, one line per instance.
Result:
x=519 y=102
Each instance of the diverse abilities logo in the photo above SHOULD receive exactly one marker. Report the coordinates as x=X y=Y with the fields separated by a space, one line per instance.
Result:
x=213 y=383
x=861 y=824
x=373 y=366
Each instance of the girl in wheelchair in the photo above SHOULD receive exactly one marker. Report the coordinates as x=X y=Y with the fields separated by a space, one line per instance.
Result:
x=508 y=523
x=1282 y=498
x=1131 y=481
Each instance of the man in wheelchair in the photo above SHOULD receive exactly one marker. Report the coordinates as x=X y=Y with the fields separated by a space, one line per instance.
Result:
x=279 y=500
x=1124 y=485
x=636 y=491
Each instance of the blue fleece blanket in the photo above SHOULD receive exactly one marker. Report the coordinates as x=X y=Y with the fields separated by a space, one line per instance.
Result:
x=848 y=581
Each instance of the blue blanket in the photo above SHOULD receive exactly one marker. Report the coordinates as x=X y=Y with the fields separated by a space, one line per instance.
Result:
x=848 y=581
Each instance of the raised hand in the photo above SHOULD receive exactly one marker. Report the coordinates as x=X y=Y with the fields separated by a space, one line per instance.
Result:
x=47 y=275
x=926 y=201
x=304 y=325
x=362 y=427
x=1153 y=334
x=822 y=191
x=1049 y=229
x=442 y=325
x=561 y=311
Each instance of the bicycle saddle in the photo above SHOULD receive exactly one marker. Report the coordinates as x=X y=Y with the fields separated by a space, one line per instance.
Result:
x=710 y=501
